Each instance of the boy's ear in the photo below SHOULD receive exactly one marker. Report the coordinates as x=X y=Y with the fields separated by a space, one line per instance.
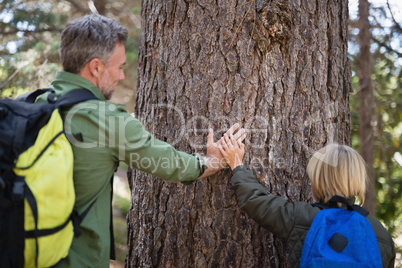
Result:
x=96 y=67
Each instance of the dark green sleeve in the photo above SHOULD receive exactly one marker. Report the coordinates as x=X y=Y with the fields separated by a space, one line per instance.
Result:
x=271 y=212
x=131 y=143
x=141 y=150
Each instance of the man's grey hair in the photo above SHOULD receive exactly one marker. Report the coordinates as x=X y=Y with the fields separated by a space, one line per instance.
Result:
x=89 y=37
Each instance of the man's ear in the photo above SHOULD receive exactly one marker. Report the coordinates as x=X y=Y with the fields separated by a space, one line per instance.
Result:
x=96 y=67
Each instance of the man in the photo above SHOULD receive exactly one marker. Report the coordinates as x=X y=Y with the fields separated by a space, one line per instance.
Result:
x=103 y=134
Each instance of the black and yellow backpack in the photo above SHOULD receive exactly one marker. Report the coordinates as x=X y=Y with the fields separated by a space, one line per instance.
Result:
x=37 y=219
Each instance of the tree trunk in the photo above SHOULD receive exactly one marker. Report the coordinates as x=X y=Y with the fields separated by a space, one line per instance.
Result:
x=280 y=69
x=366 y=101
x=100 y=6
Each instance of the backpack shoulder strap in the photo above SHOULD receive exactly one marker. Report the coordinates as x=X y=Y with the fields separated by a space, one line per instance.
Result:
x=339 y=199
x=31 y=96
x=320 y=206
x=68 y=100
x=74 y=97
x=360 y=210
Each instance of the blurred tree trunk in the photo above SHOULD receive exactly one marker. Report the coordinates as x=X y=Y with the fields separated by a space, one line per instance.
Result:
x=100 y=6
x=365 y=68
x=280 y=69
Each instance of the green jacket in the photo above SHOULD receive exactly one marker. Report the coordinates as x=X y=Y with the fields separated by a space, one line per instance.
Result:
x=291 y=221
x=105 y=134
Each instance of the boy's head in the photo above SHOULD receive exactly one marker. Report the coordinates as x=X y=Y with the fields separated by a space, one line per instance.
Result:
x=337 y=170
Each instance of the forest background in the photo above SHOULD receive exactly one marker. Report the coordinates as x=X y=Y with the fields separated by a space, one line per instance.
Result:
x=30 y=31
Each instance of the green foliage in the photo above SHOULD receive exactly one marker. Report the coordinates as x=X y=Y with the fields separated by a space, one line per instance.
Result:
x=132 y=44
x=136 y=10
x=29 y=41
x=13 y=92
x=120 y=236
x=387 y=118
x=121 y=203
x=29 y=54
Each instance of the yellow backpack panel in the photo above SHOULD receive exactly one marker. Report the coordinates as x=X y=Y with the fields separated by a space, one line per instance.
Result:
x=54 y=192
x=37 y=217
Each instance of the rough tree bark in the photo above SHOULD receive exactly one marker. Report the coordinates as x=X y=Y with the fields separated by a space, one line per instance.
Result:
x=280 y=69
x=365 y=68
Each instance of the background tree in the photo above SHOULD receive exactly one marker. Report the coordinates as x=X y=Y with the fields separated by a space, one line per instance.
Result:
x=279 y=68
x=386 y=118
x=365 y=68
x=30 y=39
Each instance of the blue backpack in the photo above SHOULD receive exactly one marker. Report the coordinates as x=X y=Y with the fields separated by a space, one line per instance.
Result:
x=340 y=238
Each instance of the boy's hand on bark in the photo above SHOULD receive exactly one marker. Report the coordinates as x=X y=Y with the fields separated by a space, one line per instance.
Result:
x=232 y=149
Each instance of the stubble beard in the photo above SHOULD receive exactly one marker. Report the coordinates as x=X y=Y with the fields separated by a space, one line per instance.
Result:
x=107 y=89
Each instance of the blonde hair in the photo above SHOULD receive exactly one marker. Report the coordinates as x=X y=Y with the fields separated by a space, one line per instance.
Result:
x=337 y=170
